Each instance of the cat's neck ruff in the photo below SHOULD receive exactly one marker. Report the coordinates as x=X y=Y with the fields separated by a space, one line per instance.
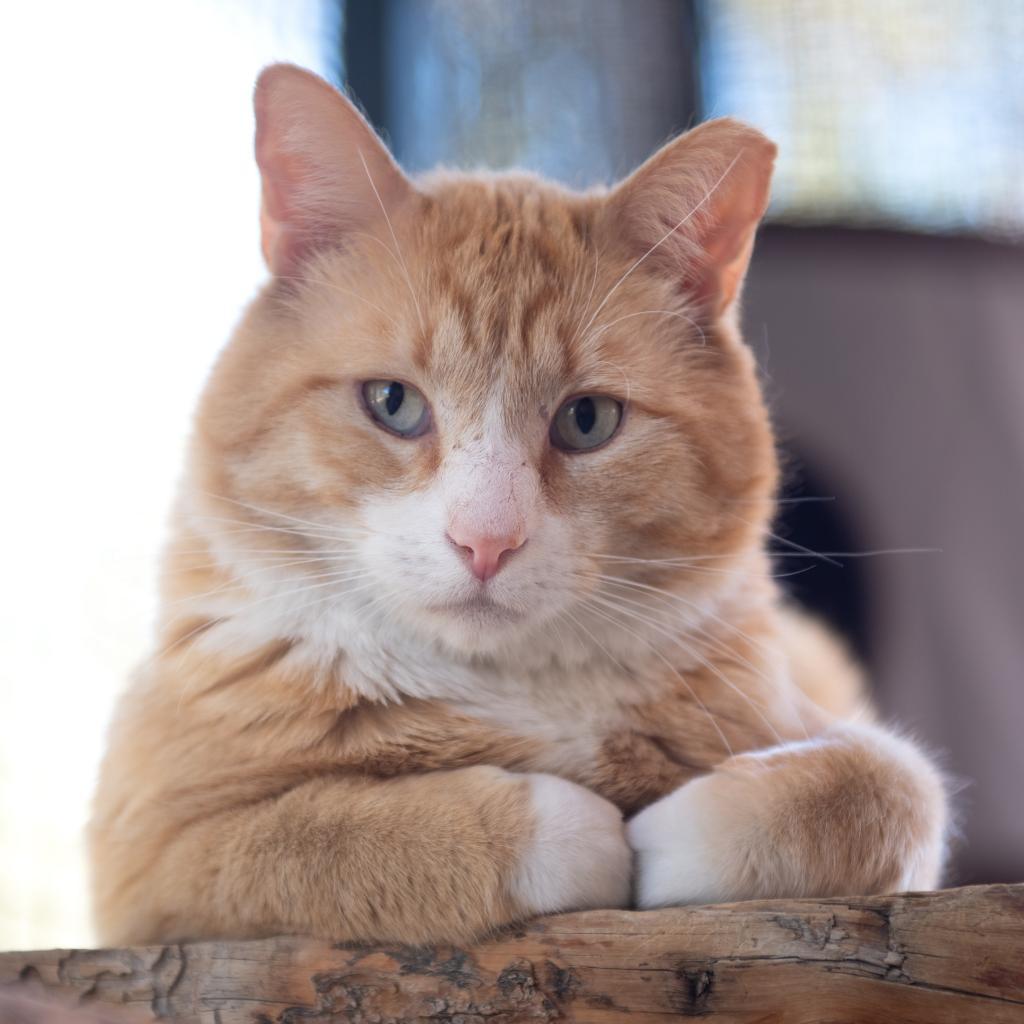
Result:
x=352 y=642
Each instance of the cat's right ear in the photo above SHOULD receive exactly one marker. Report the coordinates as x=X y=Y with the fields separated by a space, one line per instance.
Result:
x=325 y=172
x=692 y=209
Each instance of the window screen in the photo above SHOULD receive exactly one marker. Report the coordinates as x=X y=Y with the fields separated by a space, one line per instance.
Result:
x=906 y=113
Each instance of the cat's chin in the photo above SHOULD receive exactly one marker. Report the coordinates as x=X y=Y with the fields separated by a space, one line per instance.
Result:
x=475 y=610
x=477 y=626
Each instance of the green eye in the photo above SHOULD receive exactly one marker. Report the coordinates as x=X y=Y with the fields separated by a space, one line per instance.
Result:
x=585 y=422
x=397 y=407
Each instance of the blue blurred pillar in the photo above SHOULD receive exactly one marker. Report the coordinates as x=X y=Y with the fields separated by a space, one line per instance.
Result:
x=581 y=90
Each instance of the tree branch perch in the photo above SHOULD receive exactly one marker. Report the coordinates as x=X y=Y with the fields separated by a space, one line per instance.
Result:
x=921 y=958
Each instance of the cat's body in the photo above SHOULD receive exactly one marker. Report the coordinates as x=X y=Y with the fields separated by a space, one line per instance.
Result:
x=410 y=679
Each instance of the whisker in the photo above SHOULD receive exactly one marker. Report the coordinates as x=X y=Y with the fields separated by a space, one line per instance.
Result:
x=709 y=665
x=831 y=555
x=602 y=328
x=600 y=646
x=315 y=554
x=808 y=553
x=321 y=281
x=394 y=238
x=277 y=534
x=342 y=576
x=378 y=241
x=292 y=531
x=587 y=603
x=667 y=595
x=664 y=595
x=235 y=581
x=796 y=547
x=266 y=511
x=664 y=238
x=577 y=329
x=700 y=569
x=598 y=363
x=203 y=626
x=553 y=627
x=235 y=565
x=770 y=499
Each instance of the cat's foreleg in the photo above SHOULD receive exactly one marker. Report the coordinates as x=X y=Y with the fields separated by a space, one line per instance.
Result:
x=854 y=811
x=435 y=857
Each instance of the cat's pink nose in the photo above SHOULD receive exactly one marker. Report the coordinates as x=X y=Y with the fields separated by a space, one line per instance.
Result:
x=486 y=554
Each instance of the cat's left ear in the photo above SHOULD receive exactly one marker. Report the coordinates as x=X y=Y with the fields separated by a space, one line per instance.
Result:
x=325 y=172
x=694 y=206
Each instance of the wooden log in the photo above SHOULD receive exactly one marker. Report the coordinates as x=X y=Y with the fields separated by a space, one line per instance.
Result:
x=918 y=958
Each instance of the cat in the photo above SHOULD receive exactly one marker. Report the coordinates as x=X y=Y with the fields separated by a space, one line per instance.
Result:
x=466 y=614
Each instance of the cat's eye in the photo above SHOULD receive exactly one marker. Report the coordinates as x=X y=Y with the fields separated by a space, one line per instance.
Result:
x=585 y=422
x=397 y=407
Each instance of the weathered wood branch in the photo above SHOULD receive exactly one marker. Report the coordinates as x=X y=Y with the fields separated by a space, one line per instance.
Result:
x=956 y=955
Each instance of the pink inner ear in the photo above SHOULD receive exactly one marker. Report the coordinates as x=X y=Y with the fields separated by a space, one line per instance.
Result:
x=281 y=241
x=325 y=172
x=726 y=247
x=713 y=182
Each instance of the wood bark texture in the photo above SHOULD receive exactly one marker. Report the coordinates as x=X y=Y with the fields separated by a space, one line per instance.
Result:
x=922 y=958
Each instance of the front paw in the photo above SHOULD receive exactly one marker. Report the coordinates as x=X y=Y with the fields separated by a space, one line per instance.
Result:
x=679 y=857
x=577 y=857
x=856 y=811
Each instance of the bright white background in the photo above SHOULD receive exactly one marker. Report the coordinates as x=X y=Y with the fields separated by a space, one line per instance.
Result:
x=128 y=246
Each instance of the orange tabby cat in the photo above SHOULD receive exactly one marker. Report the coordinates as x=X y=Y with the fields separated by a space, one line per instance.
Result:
x=468 y=564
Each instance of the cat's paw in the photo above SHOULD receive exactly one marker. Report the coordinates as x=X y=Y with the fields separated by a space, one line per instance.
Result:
x=577 y=857
x=855 y=811
x=680 y=856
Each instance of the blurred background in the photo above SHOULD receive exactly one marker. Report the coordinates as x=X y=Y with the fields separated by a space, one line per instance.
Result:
x=886 y=303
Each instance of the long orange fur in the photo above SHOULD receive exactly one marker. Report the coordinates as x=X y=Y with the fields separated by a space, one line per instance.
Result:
x=431 y=774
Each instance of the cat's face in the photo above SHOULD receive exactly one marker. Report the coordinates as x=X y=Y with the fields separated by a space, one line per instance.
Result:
x=473 y=408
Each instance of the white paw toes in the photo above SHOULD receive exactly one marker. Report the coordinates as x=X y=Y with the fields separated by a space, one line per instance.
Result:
x=679 y=856
x=767 y=825
x=578 y=857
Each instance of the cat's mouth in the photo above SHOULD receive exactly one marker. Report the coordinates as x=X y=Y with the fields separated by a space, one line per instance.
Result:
x=479 y=606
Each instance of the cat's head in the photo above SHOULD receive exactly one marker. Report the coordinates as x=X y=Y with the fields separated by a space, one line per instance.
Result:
x=467 y=404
